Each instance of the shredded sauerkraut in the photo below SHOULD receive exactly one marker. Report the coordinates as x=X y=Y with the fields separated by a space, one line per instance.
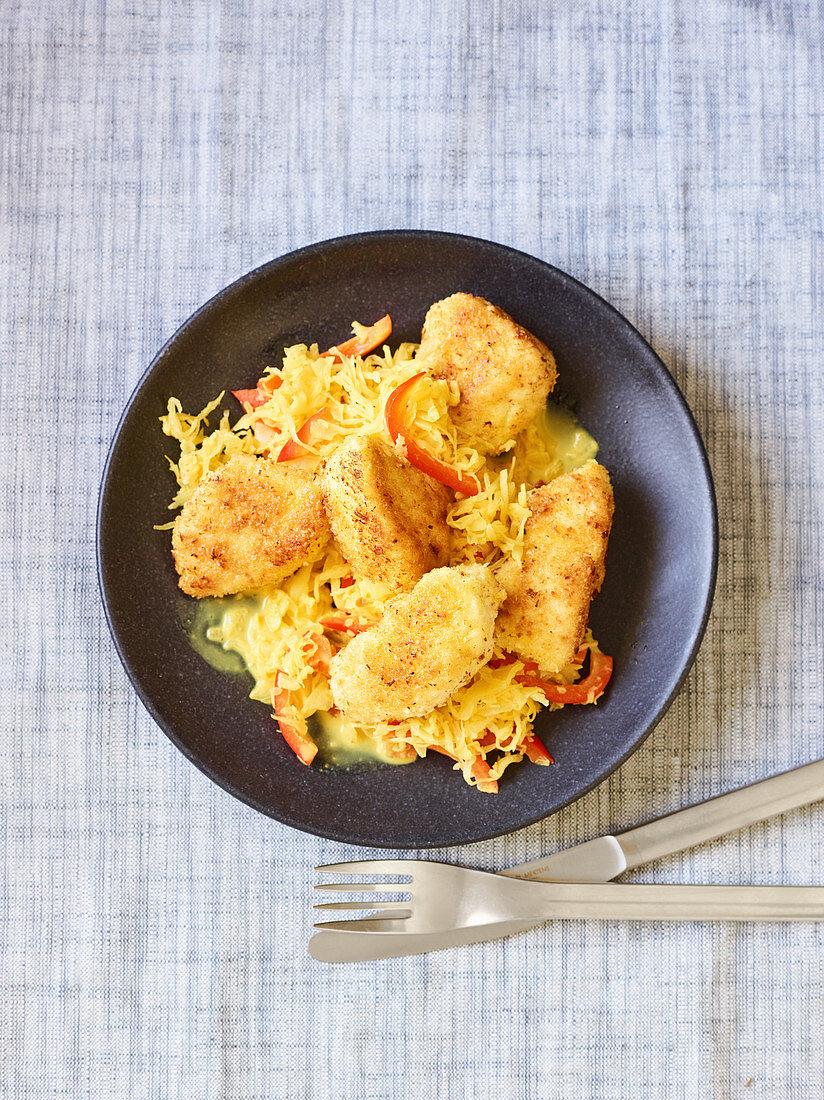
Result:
x=278 y=631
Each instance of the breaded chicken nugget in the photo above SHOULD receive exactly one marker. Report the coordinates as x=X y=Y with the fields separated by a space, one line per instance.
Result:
x=250 y=523
x=430 y=642
x=504 y=372
x=388 y=518
x=544 y=617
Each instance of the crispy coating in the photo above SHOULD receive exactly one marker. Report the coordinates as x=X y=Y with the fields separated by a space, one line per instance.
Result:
x=544 y=617
x=388 y=518
x=504 y=372
x=430 y=642
x=250 y=523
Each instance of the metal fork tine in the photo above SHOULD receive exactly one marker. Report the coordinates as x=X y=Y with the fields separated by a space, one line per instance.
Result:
x=367 y=924
x=365 y=887
x=388 y=906
x=369 y=867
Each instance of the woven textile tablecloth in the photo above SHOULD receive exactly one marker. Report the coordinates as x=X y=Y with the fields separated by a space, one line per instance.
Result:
x=152 y=929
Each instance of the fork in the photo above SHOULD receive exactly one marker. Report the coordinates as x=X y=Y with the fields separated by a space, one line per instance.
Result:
x=442 y=897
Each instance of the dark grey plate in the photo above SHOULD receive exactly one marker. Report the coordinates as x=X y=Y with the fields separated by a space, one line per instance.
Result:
x=650 y=615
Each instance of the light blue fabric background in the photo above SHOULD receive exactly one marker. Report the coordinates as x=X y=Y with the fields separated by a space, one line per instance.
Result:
x=669 y=155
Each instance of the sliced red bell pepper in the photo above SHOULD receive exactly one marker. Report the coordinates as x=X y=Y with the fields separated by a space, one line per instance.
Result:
x=261 y=393
x=536 y=751
x=291 y=449
x=396 y=416
x=347 y=582
x=483 y=776
x=344 y=623
x=321 y=656
x=374 y=336
x=300 y=743
x=269 y=383
x=585 y=691
x=254 y=398
x=480 y=770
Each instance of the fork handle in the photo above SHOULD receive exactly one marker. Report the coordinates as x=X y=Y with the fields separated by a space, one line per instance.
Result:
x=611 y=901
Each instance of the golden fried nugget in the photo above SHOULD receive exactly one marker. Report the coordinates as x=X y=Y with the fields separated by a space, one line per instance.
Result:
x=430 y=642
x=504 y=373
x=545 y=614
x=250 y=523
x=388 y=518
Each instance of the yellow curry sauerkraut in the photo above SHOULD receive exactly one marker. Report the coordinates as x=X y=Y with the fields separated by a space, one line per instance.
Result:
x=278 y=631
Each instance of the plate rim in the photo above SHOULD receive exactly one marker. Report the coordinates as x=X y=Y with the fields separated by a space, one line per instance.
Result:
x=307 y=252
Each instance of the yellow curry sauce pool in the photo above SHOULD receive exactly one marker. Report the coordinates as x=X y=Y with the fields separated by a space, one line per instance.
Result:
x=230 y=616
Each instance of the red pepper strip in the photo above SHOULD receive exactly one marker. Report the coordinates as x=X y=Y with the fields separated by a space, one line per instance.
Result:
x=585 y=691
x=254 y=398
x=483 y=776
x=344 y=624
x=261 y=393
x=269 y=383
x=536 y=750
x=374 y=336
x=301 y=745
x=480 y=770
x=323 y=653
x=291 y=449
x=395 y=414
x=347 y=582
